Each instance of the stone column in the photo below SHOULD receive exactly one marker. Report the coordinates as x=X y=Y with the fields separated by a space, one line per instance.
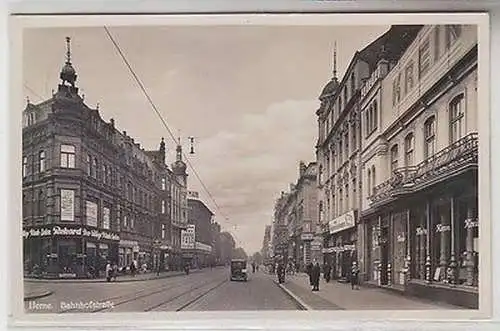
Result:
x=408 y=247
x=469 y=263
x=428 y=276
x=452 y=271
x=444 y=230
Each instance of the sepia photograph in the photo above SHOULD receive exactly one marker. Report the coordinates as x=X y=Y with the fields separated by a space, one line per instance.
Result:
x=252 y=167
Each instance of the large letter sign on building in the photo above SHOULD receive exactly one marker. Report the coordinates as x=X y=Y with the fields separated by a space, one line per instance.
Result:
x=188 y=237
x=343 y=222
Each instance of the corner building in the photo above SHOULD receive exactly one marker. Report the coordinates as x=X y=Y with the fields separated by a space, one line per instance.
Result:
x=91 y=194
x=419 y=163
x=338 y=150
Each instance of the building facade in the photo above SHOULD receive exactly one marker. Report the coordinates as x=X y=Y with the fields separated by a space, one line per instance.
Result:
x=419 y=163
x=338 y=149
x=91 y=194
x=266 y=244
x=201 y=216
x=280 y=229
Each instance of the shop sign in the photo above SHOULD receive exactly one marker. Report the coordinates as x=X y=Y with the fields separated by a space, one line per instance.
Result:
x=343 y=222
x=65 y=231
x=442 y=228
x=471 y=223
x=203 y=247
x=306 y=236
x=421 y=231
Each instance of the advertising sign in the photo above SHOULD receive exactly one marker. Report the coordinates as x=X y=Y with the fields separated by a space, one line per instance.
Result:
x=105 y=218
x=71 y=232
x=188 y=237
x=67 y=205
x=91 y=213
x=343 y=222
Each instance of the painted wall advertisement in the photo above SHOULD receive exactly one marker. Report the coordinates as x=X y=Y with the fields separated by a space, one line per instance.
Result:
x=67 y=205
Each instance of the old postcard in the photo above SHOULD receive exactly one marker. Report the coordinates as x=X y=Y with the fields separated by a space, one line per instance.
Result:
x=251 y=163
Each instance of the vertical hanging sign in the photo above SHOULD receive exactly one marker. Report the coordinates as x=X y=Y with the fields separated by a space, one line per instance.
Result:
x=67 y=205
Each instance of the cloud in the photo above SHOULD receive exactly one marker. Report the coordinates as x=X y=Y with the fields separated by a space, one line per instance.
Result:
x=245 y=166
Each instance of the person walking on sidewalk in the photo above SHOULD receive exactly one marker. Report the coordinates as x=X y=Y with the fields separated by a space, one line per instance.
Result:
x=315 y=275
x=309 y=269
x=109 y=272
x=354 y=276
x=327 y=272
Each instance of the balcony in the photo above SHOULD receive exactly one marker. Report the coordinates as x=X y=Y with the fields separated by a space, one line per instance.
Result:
x=455 y=158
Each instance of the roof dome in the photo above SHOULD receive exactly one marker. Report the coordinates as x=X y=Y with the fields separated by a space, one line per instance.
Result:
x=330 y=87
x=68 y=73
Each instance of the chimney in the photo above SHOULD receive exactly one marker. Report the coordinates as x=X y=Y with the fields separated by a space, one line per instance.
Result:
x=112 y=122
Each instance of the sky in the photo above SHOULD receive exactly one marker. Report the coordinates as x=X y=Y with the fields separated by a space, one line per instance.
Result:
x=247 y=94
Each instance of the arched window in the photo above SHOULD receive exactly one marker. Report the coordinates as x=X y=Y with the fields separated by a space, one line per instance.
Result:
x=409 y=147
x=457 y=118
x=41 y=161
x=429 y=137
x=394 y=157
x=94 y=168
x=375 y=116
x=25 y=166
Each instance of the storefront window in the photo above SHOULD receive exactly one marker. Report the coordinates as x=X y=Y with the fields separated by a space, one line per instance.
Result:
x=66 y=253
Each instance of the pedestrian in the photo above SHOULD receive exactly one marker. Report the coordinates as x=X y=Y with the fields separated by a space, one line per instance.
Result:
x=132 y=269
x=109 y=271
x=280 y=271
x=354 y=276
x=315 y=276
x=309 y=272
x=115 y=271
x=327 y=272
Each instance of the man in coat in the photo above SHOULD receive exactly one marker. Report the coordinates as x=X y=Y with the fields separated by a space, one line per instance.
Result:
x=315 y=275
x=327 y=272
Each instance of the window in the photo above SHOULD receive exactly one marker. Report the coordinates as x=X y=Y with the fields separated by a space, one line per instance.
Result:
x=437 y=42
x=369 y=181
x=163 y=184
x=396 y=90
x=131 y=222
x=341 y=202
x=457 y=118
x=41 y=161
x=346 y=100
x=354 y=137
x=41 y=204
x=125 y=221
x=25 y=166
x=163 y=231
x=94 y=168
x=409 y=146
x=67 y=156
x=91 y=213
x=347 y=206
x=89 y=165
x=375 y=116
x=453 y=32
x=340 y=104
x=346 y=142
x=354 y=202
x=367 y=120
x=105 y=218
x=104 y=173
x=409 y=77
x=163 y=206
x=430 y=138
x=373 y=179
x=341 y=155
x=394 y=157
x=353 y=84
x=424 y=58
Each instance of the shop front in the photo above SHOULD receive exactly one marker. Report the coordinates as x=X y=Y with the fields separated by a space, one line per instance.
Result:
x=340 y=250
x=128 y=251
x=68 y=251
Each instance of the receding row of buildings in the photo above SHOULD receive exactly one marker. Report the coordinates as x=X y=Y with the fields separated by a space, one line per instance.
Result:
x=91 y=194
x=397 y=165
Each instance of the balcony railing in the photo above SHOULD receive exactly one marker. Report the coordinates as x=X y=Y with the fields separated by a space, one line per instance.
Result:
x=460 y=154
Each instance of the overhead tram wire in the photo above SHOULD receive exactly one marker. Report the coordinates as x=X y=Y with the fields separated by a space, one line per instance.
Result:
x=33 y=92
x=153 y=105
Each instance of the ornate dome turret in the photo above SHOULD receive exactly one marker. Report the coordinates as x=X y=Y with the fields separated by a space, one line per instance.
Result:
x=333 y=84
x=68 y=73
x=179 y=167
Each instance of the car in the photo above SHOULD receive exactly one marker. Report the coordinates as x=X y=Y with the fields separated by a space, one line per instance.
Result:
x=239 y=270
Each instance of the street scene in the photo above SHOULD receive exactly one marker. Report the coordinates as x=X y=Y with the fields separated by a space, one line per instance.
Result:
x=190 y=168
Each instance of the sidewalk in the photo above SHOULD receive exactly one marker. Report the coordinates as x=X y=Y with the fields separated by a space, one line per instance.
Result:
x=119 y=279
x=341 y=296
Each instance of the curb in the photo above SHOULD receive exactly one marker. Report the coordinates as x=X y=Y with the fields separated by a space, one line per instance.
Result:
x=38 y=296
x=101 y=280
x=294 y=297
